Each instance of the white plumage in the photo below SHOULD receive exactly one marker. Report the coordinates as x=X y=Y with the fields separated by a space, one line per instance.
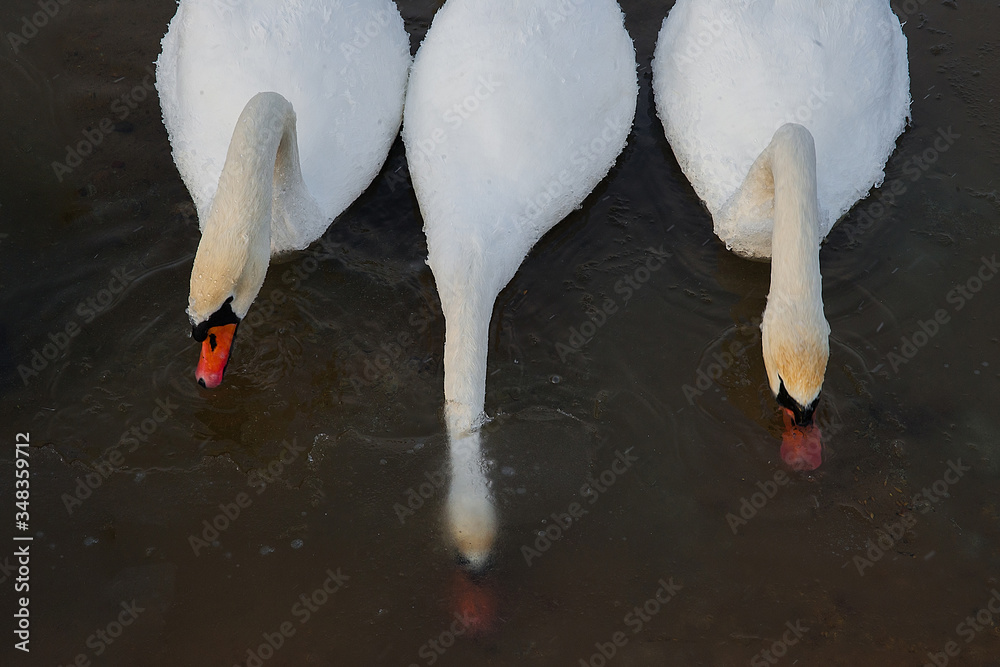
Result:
x=280 y=113
x=782 y=114
x=729 y=73
x=342 y=65
x=514 y=112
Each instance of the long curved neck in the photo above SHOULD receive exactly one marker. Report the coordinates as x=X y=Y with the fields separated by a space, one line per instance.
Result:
x=470 y=513
x=261 y=174
x=795 y=273
x=794 y=331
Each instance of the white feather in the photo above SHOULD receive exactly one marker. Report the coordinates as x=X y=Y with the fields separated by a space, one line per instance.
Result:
x=341 y=64
x=729 y=73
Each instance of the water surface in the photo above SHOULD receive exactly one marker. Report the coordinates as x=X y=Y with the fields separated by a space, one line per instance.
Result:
x=336 y=388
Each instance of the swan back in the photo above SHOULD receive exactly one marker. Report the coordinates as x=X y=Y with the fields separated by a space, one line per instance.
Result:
x=728 y=74
x=342 y=65
x=514 y=112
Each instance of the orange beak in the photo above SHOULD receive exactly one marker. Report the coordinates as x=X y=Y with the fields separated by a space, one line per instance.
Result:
x=215 y=355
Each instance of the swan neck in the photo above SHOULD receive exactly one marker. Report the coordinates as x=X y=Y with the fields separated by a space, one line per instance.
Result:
x=468 y=307
x=262 y=164
x=263 y=154
x=467 y=322
x=471 y=514
x=795 y=237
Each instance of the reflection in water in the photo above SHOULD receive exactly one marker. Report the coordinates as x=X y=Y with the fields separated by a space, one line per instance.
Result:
x=731 y=367
x=474 y=601
x=471 y=519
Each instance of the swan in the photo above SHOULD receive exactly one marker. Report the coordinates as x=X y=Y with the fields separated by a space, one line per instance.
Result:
x=514 y=112
x=782 y=115
x=279 y=113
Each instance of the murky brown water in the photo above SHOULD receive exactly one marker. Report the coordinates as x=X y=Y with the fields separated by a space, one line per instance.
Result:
x=336 y=387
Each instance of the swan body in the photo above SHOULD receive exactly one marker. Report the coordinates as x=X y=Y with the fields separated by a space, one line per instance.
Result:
x=782 y=115
x=280 y=113
x=727 y=74
x=515 y=111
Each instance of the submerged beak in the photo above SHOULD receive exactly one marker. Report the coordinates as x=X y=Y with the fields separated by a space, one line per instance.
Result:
x=802 y=441
x=215 y=350
x=801 y=444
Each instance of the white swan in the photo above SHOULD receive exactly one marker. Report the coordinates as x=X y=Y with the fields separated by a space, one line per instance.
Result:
x=514 y=112
x=782 y=114
x=280 y=113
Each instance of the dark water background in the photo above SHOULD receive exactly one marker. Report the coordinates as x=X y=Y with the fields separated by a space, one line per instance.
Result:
x=343 y=362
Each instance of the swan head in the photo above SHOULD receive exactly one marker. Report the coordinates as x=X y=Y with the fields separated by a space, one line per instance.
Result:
x=470 y=515
x=472 y=522
x=216 y=335
x=796 y=349
x=228 y=272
